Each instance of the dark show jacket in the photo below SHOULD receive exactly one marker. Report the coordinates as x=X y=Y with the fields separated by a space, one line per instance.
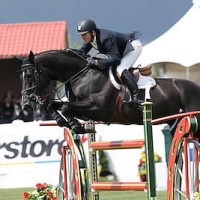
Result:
x=114 y=44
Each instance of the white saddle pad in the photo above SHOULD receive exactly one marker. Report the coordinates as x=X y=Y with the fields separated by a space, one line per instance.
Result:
x=144 y=82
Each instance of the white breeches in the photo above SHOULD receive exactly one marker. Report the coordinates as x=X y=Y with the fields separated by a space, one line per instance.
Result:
x=129 y=58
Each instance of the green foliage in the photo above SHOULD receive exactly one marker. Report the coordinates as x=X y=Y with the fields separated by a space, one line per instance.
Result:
x=103 y=160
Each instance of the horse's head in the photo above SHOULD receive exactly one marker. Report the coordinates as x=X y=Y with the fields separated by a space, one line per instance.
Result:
x=37 y=71
x=29 y=83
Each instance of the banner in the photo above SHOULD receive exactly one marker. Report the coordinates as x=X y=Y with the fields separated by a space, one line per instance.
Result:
x=30 y=153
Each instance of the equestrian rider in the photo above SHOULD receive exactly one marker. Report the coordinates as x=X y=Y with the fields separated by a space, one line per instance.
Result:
x=122 y=49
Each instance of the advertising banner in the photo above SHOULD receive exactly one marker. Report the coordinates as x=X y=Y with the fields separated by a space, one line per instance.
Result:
x=30 y=153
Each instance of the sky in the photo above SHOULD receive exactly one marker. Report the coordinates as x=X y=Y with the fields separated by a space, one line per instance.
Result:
x=151 y=17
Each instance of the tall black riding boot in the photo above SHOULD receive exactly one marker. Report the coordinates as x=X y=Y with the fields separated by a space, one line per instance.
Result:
x=131 y=83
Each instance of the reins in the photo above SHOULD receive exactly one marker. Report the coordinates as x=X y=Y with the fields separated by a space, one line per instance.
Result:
x=70 y=79
x=62 y=84
x=73 y=77
x=38 y=68
x=41 y=101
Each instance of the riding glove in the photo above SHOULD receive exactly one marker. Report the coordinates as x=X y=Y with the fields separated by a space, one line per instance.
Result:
x=91 y=62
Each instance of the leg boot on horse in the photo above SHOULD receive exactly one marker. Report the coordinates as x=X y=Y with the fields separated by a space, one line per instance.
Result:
x=131 y=83
x=52 y=109
x=68 y=121
x=74 y=124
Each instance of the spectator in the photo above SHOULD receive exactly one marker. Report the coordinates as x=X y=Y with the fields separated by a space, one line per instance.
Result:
x=10 y=109
x=7 y=110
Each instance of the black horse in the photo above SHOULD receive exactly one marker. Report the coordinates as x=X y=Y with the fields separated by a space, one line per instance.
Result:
x=92 y=95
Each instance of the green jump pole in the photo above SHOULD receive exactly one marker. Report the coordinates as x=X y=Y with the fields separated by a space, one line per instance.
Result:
x=149 y=150
x=90 y=128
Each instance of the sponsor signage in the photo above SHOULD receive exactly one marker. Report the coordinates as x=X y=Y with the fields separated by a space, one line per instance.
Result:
x=29 y=153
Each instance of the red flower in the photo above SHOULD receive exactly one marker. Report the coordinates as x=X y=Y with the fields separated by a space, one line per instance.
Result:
x=26 y=194
x=42 y=190
x=40 y=185
x=83 y=138
x=49 y=193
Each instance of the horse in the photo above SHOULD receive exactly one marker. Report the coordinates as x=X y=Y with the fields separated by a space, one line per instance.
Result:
x=91 y=94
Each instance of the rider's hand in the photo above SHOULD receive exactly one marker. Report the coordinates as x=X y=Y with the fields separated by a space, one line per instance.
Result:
x=91 y=62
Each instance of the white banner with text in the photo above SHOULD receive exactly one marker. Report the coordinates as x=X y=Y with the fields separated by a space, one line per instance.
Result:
x=30 y=153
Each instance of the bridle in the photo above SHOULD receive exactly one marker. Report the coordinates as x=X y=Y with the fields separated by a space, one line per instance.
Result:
x=27 y=91
x=35 y=71
x=35 y=97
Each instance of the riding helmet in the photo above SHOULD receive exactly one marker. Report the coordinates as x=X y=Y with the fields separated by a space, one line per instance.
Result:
x=85 y=26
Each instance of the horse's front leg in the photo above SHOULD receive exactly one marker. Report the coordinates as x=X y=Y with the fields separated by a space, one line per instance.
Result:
x=77 y=109
x=53 y=108
x=75 y=125
x=97 y=108
x=68 y=121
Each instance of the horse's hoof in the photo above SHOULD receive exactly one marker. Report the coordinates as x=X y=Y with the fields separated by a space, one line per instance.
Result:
x=89 y=128
x=79 y=130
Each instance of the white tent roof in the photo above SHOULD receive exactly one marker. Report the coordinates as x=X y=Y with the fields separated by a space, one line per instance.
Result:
x=180 y=44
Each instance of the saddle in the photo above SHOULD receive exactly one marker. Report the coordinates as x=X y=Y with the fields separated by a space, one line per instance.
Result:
x=142 y=76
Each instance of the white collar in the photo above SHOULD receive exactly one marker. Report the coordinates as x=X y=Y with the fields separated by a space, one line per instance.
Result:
x=94 y=43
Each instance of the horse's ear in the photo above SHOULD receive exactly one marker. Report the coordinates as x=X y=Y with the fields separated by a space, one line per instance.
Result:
x=18 y=59
x=31 y=57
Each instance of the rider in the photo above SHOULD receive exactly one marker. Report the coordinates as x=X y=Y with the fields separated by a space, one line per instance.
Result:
x=122 y=49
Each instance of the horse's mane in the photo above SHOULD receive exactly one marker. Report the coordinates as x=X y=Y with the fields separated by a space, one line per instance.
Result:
x=71 y=52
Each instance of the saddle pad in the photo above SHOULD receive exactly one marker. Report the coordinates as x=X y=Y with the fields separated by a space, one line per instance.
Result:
x=143 y=81
x=146 y=81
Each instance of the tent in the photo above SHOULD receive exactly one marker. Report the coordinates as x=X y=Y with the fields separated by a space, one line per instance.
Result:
x=179 y=46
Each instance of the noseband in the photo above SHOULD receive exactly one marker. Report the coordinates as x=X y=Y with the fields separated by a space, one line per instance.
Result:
x=34 y=97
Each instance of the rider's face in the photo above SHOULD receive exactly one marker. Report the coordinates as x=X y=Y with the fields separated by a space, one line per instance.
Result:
x=87 y=37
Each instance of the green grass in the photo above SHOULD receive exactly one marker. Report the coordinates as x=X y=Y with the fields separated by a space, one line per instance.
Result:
x=17 y=194
x=129 y=195
x=13 y=194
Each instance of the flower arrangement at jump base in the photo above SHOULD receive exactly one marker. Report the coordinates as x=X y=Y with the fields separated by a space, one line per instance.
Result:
x=142 y=164
x=196 y=196
x=43 y=191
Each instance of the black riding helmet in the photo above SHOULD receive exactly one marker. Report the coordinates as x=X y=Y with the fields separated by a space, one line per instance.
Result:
x=85 y=26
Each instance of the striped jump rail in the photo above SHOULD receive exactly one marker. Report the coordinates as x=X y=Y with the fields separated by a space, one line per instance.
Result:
x=121 y=144
x=94 y=146
x=116 y=186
